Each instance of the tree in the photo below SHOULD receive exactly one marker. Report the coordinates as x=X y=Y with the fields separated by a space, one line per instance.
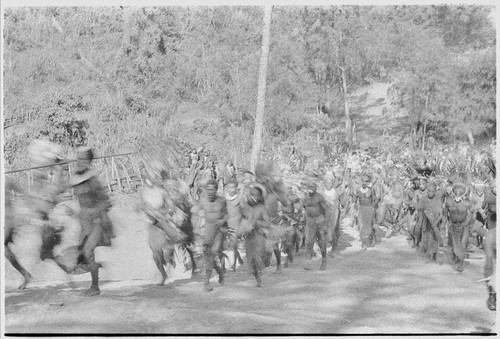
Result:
x=340 y=47
x=261 y=96
x=473 y=109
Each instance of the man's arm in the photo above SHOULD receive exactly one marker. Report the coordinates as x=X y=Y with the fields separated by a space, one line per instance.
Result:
x=433 y=220
x=224 y=210
x=325 y=206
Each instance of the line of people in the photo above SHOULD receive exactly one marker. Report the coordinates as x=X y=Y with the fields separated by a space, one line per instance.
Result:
x=269 y=212
x=72 y=248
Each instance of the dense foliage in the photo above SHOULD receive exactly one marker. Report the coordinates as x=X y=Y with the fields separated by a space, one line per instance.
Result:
x=115 y=77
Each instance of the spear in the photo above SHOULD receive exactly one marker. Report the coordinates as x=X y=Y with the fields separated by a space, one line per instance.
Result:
x=64 y=163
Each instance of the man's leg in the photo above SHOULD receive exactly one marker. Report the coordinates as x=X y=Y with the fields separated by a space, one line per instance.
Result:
x=88 y=252
x=94 y=272
x=160 y=261
x=256 y=273
x=209 y=263
x=310 y=232
x=216 y=252
x=287 y=243
x=458 y=250
x=193 y=260
x=220 y=272
x=277 y=254
x=13 y=260
x=322 y=242
x=237 y=256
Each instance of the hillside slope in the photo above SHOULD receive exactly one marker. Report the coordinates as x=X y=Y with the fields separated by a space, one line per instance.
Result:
x=373 y=114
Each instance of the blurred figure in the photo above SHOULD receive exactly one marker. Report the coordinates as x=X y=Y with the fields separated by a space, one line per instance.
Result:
x=229 y=172
x=43 y=194
x=233 y=201
x=255 y=228
x=317 y=213
x=432 y=216
x=276 y=203
x=40 y=202
x=490 y=250
x=10 y=228
x=194 y=158
x=96 y=227
x=417 y=231
x=366 y=210
x=168 y=211
x=333 y=196
x=458 y=212
x=213 y=209
x=490 y=204
x=164 y=200
x=389 y=209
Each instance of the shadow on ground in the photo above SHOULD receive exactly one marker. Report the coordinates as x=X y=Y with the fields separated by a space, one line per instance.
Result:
x=387 y=289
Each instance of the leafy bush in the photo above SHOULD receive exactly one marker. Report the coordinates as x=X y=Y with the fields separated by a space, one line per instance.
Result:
x=60 y=119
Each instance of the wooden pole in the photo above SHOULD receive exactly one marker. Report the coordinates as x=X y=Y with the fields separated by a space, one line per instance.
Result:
x=139 y=174
x=129 y=182
x=65 y=162
x=107 y=181
x=115 y=169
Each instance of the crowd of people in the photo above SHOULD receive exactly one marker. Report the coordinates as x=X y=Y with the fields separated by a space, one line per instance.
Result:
x=272 y=211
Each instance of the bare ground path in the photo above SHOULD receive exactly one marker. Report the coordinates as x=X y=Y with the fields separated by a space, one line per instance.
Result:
x=387 y=289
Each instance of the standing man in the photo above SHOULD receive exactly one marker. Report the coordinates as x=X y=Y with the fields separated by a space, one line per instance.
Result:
x=490 y=205
x=97 y=229
x=276 y=203
x=458 y=212
x=213 y=209
x=194 y=158
x=366 y=210
x=332 y=195
x=317 y=214
x=255 y=228
x=229 y=172
x=390 y=207
x=233 y=201
x=417 y=231
x=431 y=206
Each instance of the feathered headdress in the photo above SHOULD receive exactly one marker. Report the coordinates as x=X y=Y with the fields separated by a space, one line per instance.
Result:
x=44 y=152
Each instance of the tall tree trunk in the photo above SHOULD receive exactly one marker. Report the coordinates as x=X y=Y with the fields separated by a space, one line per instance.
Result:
x=413 y=137
x=261 y=95
x=348 y=121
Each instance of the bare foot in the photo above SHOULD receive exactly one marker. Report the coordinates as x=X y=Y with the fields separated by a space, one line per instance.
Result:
x=91 y=292
x=27 y=279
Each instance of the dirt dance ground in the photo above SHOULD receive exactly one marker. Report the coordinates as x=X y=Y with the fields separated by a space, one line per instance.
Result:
x=387 y=289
